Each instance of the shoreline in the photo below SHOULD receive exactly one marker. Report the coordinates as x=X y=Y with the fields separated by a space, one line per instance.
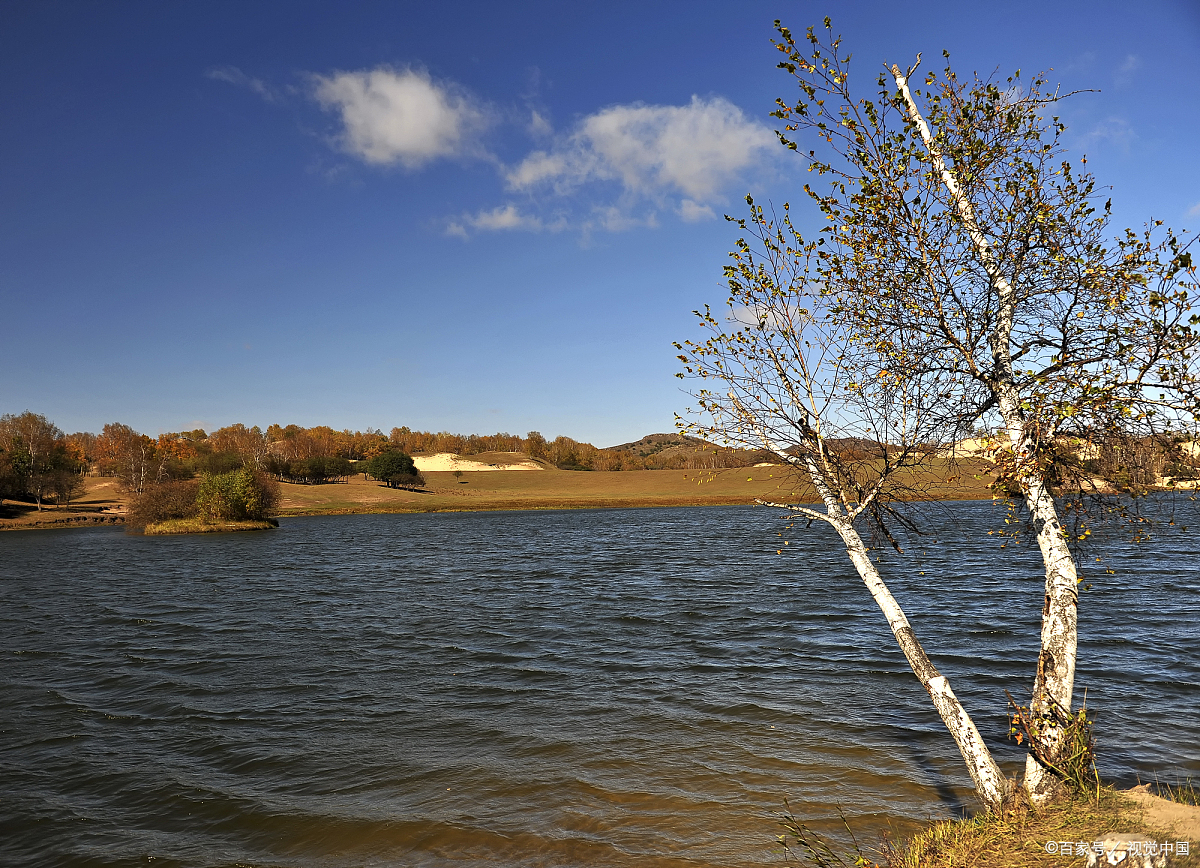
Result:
x=503 y=490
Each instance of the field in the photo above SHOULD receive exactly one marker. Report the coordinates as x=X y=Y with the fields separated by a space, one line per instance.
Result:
x=104 y=503
x=567 y=489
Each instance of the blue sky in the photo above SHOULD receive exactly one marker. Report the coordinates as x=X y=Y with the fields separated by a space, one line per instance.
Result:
x=471 y=217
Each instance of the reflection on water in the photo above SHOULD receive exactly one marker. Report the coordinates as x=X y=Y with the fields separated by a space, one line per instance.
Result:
x=625 y=687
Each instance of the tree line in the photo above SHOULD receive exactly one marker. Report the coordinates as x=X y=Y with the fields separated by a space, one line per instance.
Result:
x=568 y=454
x=40 y=462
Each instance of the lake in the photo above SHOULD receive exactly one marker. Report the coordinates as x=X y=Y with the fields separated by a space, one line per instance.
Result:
x=562 y=688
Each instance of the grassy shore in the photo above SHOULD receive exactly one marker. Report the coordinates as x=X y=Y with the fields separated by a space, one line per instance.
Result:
x=199 y=525
x=102 y=503
x=1020 y=838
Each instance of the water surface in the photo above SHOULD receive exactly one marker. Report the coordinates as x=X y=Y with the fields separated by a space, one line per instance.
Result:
x=622 y=687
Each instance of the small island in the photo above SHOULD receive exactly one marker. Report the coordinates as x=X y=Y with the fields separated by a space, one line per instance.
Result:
x=240 y=500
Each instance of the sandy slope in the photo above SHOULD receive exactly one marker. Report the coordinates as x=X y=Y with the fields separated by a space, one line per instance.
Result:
x=444 y=461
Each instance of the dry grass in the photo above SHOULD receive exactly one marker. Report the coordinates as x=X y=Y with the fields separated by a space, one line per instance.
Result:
x=104 y=502
x=1181 y=792
x=1016 y=839
x=566 y=489
x=197 y=525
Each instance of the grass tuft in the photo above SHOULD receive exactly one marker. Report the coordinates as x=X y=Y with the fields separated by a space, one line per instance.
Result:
x=1181 y=793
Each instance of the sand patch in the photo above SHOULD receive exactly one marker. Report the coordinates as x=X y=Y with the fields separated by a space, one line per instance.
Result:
x=447 y=461
x=1183 y=820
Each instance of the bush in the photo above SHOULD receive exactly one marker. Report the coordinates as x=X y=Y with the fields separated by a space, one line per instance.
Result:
x=163 y=502
x=242 y=494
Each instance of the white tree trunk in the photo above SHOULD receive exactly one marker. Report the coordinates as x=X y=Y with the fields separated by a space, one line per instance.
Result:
x=990 y=782
x=1055 y=678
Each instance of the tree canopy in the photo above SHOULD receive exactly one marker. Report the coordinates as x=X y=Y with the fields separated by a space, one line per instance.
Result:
x=395 y=469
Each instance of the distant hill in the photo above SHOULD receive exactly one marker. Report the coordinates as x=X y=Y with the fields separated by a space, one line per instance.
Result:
x=654 y=443
x=670 y=450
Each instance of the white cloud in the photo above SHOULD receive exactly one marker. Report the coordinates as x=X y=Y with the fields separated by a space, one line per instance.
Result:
x=539 y=127
x=1194 y=211
x=613 y=219
x=1112 y=131
x=694 y=150
x=1124 y=72
x=234 y=76
x=401 y=116
x=503 y=217
x=691 y=212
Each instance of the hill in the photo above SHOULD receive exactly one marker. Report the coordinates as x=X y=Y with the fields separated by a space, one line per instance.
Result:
x=680 y=450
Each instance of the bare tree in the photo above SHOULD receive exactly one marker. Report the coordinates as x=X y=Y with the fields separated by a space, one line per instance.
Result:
x=965 y=276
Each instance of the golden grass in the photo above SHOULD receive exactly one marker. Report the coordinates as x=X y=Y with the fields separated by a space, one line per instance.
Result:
x=199 y=525
x=104 y=502
x=1018 y=839
x=567 y=489
x=1015 y=839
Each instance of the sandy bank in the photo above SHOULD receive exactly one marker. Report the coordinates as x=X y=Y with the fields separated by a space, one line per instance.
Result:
x=1182 y=820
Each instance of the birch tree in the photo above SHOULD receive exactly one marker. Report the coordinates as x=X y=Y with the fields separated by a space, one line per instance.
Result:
x=966 y=274
x=35 y=450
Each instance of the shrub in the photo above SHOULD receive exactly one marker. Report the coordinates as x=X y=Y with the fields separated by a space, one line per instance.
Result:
x=242 y=494
x=163 y=502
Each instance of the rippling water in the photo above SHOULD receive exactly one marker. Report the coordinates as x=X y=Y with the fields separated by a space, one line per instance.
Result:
x=624 y=687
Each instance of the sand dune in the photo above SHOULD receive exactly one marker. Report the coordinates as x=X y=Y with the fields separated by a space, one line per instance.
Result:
x=488 y=461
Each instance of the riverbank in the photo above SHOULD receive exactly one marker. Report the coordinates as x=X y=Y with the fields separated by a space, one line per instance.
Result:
x=1060 y=836
x=1056 y=837
x=569 y=489
x=102 y=503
